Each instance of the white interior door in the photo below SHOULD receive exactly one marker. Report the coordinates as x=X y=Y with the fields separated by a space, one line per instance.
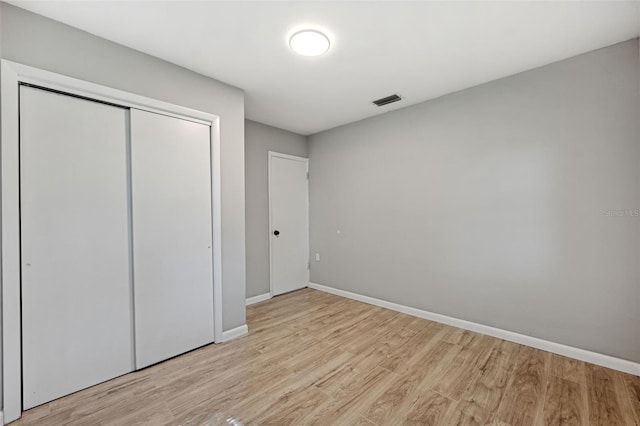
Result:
x=76 y=281
x=172 y=236
x=289 y=221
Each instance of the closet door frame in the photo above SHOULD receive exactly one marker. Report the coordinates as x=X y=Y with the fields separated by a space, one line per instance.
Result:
x=12 y=75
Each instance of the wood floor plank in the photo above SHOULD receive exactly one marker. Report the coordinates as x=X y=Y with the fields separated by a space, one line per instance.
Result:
x=430 y=408
x=482 y=397
x=399 y=397
x=604 y=405
x=524 y=396
x=401 y=321
x=632 y=385
x=362 y=421
x=629 y=386
x=315 y=358
x=568 y=368
x=352 y=398
x=464 y=369
x=457 y=416
x=423 y=341
x=435 y=362
x=354 y=330
x=333 y=380
x=563 y=405
x=226 y=394
x=318 y=363
x=342 y=325
x=290 y=408
x=461 y=337
x=369 y=354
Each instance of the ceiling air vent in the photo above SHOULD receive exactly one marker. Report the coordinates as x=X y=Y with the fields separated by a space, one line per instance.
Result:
x=387 y=100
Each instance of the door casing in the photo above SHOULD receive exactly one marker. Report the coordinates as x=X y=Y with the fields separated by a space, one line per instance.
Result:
x=272 y=155
x=12 y=75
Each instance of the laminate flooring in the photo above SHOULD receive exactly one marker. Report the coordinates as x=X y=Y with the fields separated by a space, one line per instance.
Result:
x=312 y=358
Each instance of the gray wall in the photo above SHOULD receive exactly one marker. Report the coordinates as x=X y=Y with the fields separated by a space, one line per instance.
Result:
x=40 y=42
x=492 y=204
x=259 y=140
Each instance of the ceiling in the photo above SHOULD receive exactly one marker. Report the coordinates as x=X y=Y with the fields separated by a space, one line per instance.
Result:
x=418 y=49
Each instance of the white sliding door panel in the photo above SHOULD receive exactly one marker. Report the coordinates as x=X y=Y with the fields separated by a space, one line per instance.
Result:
x=172 y=236
x=76 y=277
x=289 y=218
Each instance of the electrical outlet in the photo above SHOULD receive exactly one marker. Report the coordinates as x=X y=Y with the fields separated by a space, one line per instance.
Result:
x=317 y=257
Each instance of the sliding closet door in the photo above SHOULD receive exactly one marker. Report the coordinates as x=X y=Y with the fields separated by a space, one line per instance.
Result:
x=76 y=280
x=172 y=238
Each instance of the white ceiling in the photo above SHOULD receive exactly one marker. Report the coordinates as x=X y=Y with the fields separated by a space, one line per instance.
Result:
x=418 y=49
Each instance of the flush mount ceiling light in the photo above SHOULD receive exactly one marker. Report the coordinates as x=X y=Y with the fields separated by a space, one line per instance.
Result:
x=309 y=43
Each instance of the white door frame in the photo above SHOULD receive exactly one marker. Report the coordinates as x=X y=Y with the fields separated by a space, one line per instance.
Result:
x=273 y=154
x=12 y=74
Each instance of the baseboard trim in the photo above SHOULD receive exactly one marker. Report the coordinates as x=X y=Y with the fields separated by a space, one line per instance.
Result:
x=1 y=417
x=257 y=299
x=534 y=342
x=234 y=333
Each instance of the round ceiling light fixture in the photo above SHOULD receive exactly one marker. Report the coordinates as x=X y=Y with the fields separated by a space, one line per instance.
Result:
x=309 y=43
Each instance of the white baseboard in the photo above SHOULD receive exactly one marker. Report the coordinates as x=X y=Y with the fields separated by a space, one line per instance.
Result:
x=557 y=348
x=258 y=298
x=234 y=333
x=1 y=417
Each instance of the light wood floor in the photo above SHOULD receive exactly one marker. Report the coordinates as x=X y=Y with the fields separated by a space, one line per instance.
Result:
x=315 y=358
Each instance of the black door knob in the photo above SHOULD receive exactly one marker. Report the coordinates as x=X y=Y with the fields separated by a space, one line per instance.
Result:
x=276 y=232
